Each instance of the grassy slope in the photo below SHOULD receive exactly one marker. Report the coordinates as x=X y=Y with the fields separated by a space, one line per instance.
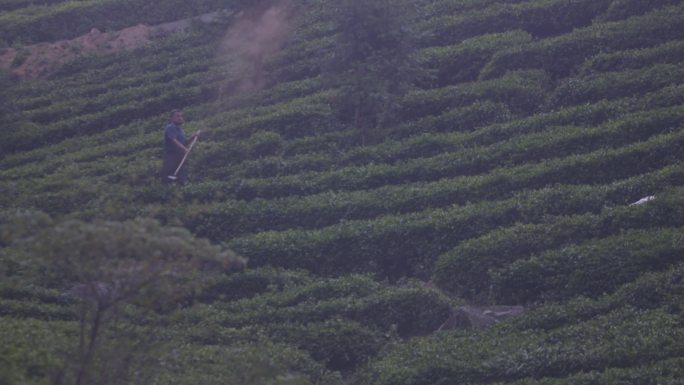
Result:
x=507 y=181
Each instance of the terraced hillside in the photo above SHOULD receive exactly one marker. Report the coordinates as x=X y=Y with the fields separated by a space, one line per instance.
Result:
x=506 y=177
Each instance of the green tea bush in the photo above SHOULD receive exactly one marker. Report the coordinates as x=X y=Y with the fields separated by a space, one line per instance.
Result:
x=560 y=55
x=442 y=7
x=11 y=5
x=249 y=363
x=339 y=344
x=461 y=118
x=522 y=91
x=539 y=18
x=301 y=60
x=407 y=310
x=24 y=309
x=264 y=143
x=463 y=62
x=665 y=372
x=430 y=144
x=294 y=118
x=609 y=85
x=623 y=337
x=652 y=290
x=666 y=53
x=465 y=270
x=321 y=209
x=563 y=169
x=622 y=9
x=250 y=283
x=591 y=268
x=29 y=352
x=83 y=102
x=282 y=91
x=408 y=244
x=109 y=118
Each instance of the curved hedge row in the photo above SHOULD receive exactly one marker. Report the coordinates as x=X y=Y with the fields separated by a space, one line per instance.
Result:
x=355 y=178
x=22 y=309
x=408 y=244
x=661 y=372
x=539 y=18
x=408 y=310
x=622 y=9
x=652 y=290
x=463 y=62
x=466 y=270
x=11 y=5
x=341 y=322
x=591 y=268
x=339 y=150
x=325 y=208
x=105 y=119
x=610 y=85
x=252 y=282
x=666 y=53
x=522 y=91
x=339 y=344
x=625 y=337
x=560 y=55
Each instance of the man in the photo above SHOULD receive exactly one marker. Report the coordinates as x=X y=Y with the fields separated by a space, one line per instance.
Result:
x=175 y=147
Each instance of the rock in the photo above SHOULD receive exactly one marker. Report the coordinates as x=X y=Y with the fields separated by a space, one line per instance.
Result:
x=643 y=200
x=480 y=317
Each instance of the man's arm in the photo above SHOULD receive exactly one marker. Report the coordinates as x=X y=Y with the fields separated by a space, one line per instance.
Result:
x=184 y=147
x=180 y=145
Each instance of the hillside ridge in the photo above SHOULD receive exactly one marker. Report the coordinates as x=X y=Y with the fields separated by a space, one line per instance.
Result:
x=481 y=192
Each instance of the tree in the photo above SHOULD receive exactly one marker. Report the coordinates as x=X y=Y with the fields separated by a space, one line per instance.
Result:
x=112 y=270
x=372 y=62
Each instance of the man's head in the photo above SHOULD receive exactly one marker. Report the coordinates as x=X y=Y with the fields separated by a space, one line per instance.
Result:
x=176 y=117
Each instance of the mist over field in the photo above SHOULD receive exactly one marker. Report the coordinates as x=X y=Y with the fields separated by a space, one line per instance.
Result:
x=256 y=34
x=385 y=192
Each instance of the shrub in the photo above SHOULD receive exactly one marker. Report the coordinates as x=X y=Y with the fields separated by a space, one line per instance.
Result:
x=622 y=9
x=466 y=270
x=265 y=143
x=615 y=84
x=250 y=283
x=591 y=268
x=560 y=55
x=652 y=290
x=669 y=53
x=462 y=62
x=623 y=337
x=339 y=344
x=406 y=245
x=522 y=91
x=539 y=18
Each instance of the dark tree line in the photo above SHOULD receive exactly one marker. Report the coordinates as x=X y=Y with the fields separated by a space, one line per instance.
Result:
x=372 y=63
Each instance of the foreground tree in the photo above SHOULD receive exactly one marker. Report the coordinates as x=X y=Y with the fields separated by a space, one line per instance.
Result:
x=129 y=271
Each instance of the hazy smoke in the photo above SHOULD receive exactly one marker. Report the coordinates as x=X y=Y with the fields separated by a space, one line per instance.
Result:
x=256 y=34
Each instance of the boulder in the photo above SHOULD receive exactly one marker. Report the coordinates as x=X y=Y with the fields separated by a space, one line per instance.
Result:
x=480 y=317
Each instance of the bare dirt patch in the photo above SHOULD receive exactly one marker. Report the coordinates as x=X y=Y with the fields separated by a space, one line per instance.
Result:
x=41 y=59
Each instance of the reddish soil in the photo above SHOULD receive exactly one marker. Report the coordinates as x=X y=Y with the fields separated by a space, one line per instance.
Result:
x=40 y=59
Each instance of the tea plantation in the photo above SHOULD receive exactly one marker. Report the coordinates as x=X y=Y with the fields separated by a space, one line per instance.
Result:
x=338 y=212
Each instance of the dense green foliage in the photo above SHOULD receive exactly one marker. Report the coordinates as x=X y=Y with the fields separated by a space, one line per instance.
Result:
x=389 y=168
